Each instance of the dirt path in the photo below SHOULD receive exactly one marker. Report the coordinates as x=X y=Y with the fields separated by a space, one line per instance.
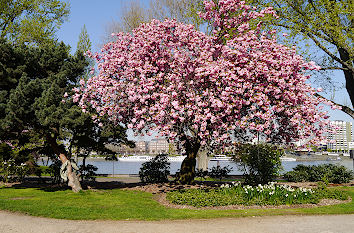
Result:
x=18 y=223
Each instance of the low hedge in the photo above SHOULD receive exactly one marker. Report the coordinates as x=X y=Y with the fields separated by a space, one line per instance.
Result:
x=328 y=173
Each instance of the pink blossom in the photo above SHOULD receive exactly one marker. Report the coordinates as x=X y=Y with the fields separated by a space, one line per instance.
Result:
x=169 y=77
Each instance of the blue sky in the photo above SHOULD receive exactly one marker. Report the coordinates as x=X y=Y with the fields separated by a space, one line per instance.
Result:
x=97 y=14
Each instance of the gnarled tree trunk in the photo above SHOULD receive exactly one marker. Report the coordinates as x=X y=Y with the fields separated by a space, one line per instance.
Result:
x=187 y=171
x=73 y=179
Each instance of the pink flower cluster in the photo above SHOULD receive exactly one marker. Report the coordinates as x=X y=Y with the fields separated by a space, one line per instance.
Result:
x=168 y=77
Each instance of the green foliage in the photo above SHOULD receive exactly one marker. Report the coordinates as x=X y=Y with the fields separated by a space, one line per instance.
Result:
x=156 y=170
x=54 y=171
x=33 y=110
x=219 y=172
x=84 y=42
x=328 y=173
x=323 y=32
x=259 y=163
x=6 y=152
x=29 y=21
x=11 y=171
x=237 y=194
x=201 y=173
x=88 y=172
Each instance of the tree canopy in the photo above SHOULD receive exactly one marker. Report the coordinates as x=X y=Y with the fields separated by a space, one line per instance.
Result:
x=329 y=24
x=134 y=13
x=31 y=21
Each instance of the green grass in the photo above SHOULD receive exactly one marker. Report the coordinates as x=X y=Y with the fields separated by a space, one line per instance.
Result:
x=123 y=204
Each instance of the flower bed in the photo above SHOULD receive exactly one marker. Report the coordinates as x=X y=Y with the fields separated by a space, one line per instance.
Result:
x=236 y=194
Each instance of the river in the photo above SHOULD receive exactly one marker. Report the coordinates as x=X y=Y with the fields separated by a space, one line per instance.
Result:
x=132 y=168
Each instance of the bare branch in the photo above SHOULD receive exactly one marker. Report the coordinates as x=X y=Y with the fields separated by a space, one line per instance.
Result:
x=345 y=109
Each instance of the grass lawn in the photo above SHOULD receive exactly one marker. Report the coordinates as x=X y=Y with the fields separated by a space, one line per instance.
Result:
x=122 y=204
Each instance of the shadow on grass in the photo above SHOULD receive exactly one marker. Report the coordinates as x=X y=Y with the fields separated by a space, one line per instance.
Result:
x=46 y=184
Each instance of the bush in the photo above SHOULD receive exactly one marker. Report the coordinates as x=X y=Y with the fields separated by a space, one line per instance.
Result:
x=11 y=171
x=328 y=173
x=201 y=173
x=156 y=170
x=260 y=163
x=219 y=172
x=88 y=172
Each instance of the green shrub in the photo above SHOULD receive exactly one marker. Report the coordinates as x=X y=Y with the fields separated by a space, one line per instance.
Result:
x=54 y=171
x=328 y=173
x=260 y=163
x=88 y=172
x=201 y=173
x=219 y=172
x=156 y=170
x=12 y=171
x=236 y=194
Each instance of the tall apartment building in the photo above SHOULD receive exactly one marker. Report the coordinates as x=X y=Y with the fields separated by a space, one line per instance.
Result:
x=341 y=139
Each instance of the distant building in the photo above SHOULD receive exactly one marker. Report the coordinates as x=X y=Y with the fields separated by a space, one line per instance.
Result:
x=341 y=138
x=158 y=146
x=141 y=147
x=153 y=147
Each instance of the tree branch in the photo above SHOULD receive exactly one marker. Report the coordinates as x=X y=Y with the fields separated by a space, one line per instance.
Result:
x=345 y=109
x=351 y=68
x=333 y=68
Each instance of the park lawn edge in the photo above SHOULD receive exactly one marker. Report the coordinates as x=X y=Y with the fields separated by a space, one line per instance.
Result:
x=134 y=205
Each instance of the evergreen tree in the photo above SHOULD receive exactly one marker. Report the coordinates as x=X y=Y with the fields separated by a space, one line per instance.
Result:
x=84 y=42
x=33 y=84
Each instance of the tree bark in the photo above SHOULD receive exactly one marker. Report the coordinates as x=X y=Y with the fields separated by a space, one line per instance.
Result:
x=73 y=179
x=203 y=160
x=187 y=171
x=348 y=74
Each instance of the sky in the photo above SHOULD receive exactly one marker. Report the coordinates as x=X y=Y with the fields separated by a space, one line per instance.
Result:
x=97 y=14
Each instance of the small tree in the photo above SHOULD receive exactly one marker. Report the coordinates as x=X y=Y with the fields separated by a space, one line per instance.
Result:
x=260 y=163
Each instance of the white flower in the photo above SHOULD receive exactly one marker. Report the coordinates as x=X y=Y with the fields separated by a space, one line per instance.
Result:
x=286 y=195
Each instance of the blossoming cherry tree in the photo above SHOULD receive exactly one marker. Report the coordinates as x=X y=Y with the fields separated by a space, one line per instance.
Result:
x=197 y=88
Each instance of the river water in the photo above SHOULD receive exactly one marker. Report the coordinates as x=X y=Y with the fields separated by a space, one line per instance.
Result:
x=132 y=168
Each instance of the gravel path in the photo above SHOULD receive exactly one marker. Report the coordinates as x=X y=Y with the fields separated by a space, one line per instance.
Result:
x=15 y=223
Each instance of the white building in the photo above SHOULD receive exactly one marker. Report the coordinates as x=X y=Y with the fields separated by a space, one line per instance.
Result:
x=341 y=138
